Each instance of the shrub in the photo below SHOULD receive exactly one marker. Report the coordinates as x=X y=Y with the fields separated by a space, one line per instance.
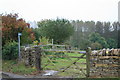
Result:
x=44 y=41
x=96 y=46
x=10 y=51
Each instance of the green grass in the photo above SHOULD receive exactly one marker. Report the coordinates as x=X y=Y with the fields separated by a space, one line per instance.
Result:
x=15 y=67
x=60 y=64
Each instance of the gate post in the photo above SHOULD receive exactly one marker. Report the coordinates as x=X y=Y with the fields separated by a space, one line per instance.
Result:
x=38 y=58
x=88 y=52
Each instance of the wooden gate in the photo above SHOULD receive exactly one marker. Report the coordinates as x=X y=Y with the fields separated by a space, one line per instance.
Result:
x=67 y=62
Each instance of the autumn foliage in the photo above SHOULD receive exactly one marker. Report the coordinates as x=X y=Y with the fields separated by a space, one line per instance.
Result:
x=11 y=25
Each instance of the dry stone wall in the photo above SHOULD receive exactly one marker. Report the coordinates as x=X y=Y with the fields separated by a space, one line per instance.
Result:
x=105 y=63
x=31 y=56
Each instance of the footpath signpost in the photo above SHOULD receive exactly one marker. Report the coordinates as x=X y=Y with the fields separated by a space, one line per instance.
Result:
x=19 y=34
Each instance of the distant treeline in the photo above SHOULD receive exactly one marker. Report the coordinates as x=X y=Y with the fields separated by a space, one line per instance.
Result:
x=95 y=34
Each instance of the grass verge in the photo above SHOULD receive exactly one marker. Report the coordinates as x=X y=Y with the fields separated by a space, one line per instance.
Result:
x=18 y=68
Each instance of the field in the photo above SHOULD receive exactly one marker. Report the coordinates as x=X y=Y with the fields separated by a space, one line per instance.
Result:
x=61 y=63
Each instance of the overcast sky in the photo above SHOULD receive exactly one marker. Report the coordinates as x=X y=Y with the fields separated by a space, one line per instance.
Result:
x=86 y=10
